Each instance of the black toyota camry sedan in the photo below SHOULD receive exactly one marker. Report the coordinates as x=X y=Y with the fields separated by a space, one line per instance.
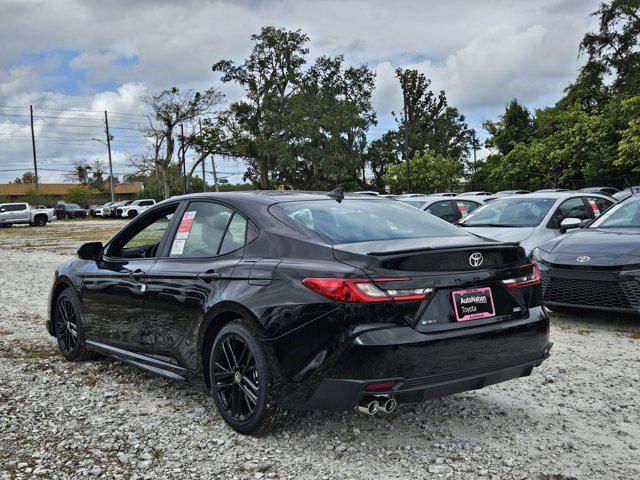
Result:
x=596 y=267
x=274 y=301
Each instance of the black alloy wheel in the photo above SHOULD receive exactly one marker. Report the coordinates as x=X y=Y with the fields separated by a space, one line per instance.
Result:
x=68 y=328
x=40 y=221
x=243 y=379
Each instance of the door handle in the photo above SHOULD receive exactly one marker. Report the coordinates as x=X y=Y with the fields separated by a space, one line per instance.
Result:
x=209 y=276
x=136 y=275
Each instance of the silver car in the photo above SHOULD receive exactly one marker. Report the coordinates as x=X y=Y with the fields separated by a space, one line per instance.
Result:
x=450 y=209
x=532 y=219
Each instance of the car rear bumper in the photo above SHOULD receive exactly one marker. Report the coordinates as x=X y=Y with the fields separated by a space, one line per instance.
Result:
x=345 y=394
x=425 y=365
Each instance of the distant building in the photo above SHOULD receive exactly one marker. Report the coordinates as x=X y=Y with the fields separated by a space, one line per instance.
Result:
x=57 y=191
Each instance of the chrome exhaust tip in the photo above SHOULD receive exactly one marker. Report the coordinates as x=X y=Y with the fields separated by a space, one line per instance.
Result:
x=369 y=406
x=389 y=405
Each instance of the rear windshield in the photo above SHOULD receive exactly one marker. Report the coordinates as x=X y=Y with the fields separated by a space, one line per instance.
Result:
x=510 y=212
x=366 y=220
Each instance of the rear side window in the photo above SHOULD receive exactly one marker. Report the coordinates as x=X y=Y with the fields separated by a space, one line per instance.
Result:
x=466 y=206
x=598 y=205
x=208 y=229
x=356 y=220
x=443 y=210
x=146 y=203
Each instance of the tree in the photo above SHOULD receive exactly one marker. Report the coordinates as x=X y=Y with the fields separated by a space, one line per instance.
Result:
x=516 y=125
x=81 y=194
x=429 y=173
x=91 y=176
x=615 y=45
x=431 y=124
x=27 y=177
x=381 y=155
x=270 y=76
x=172 y=107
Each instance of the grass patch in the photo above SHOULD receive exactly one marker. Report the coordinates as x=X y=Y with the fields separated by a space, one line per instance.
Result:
x=28 y=351
x=634 y=335
x=584 y=331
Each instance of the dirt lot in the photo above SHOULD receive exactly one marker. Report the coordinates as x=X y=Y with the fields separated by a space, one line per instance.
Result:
x=578 y=416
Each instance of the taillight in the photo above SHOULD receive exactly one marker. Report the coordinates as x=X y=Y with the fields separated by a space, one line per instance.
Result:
x=531 y=277
x=363 y=290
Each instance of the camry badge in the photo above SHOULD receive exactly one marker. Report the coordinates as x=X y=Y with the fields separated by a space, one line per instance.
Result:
x=583 y=259
x=476 y=259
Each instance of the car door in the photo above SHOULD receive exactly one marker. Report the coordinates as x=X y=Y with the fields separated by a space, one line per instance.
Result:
x=6 y=213
x=114 y=287
x=21 y=213
x=195 y=267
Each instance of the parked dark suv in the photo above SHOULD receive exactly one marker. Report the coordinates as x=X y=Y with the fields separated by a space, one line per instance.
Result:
x=283 y=300
x=69 y=210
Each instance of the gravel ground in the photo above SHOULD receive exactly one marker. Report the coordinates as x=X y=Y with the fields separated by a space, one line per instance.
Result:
x=577 y=416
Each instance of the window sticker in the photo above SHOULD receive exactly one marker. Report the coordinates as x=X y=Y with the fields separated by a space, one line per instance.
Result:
x=462 y=209
x=594 y=207
x=183 y=233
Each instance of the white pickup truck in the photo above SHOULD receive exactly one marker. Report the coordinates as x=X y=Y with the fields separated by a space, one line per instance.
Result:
x=15 y=213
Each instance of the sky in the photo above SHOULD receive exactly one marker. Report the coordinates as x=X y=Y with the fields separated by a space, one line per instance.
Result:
x=72 y=60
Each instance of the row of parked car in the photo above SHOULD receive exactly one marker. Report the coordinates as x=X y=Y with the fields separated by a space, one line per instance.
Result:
x=39 y=215
x=122 y=209
x=586 y=243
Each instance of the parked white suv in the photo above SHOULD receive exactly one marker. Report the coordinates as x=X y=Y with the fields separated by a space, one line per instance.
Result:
x=135 y=208
x=15 y=213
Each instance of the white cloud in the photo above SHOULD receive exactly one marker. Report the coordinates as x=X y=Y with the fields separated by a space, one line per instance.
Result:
x=481 y=53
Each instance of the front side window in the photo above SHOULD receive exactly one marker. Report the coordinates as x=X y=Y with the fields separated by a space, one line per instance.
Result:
x=208 y=229
x=510 y=212
x=572 y=208
x=357 y=220
x=142 y=240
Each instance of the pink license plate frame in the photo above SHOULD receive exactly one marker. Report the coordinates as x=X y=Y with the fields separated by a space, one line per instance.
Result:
x=479 y=292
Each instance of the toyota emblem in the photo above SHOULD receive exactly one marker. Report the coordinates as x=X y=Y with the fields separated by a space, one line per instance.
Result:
x=583 y=259
x=476 y=259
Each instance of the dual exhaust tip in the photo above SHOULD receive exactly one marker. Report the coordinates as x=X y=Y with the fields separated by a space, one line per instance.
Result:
x=373 y=405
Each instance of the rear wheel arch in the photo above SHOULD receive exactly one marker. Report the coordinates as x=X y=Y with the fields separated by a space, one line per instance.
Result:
x=213 y=323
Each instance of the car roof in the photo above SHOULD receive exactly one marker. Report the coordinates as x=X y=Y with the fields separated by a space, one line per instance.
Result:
x=270 y=197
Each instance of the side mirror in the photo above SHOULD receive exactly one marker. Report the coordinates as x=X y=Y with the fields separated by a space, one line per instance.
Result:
x=570 y=223
x=91 y=251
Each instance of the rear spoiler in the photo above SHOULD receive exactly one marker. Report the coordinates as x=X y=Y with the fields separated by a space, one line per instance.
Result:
x=423 y=249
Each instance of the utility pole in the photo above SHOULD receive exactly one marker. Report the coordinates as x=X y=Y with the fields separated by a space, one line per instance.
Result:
x=215 y=175
x=406 y=140
x=184 y=159
x=33 y=144
x=106 y=126
x=204 y=178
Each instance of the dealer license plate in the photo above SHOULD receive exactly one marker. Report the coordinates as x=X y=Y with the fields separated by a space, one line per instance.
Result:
x=473 y=304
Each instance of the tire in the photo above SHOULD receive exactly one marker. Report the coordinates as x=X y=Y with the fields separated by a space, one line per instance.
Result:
x=67 y=320
x=244 y=378
x=133 y=213
x=40 y=221
x=6 y=225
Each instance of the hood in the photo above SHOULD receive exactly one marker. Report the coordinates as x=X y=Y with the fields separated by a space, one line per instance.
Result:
x=502 y=234
x=595 y=247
